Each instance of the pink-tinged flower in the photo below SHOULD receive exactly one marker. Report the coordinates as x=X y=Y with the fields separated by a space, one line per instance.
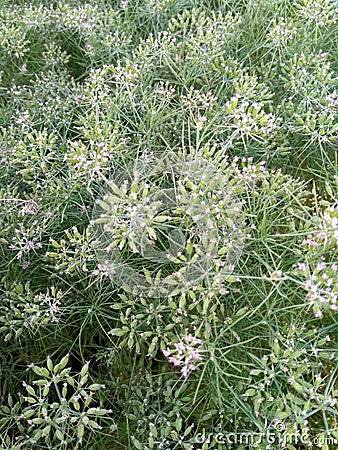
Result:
x=186 y=369
x=321 y=266
x=106 y=269
x=184 y=354
x=193 y=339
x=196 y=354
x=319 y=314
x=175 y=361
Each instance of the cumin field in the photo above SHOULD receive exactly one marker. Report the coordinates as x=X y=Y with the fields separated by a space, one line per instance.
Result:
x=168 y=224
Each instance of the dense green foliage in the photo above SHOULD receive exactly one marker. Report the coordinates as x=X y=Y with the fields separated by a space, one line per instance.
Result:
x=168 y=224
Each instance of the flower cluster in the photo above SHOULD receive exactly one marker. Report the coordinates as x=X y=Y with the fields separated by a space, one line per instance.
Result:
x=250 y=119
x=106 y=269
x=322 y=286
x=88 y=159
x=157 y=6
x=319 y=12
x=310 y=106
x=13 y=41
x=322 y=277
x=71 y=255
x=26 y=239
x=282 y=32
x=294 y=355
x=185 y=354
x=23 y=312
x=195 y=99
x=182 y=221
x=53 y=404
